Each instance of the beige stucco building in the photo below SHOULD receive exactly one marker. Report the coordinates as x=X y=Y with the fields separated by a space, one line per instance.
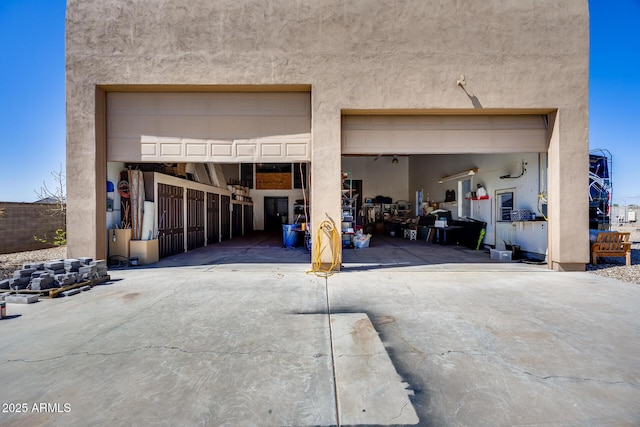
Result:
x=500 y=87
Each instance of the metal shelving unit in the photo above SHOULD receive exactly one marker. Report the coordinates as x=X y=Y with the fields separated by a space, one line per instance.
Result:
x=348 y=210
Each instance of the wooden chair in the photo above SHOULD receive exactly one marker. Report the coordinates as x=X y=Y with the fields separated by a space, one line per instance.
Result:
x=611 y=244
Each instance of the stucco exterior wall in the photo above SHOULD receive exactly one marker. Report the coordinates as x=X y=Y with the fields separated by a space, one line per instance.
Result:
x=382 y=55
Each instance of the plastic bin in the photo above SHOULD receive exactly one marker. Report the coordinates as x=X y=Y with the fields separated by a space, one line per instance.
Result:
x=289 y=237
x=502 y=256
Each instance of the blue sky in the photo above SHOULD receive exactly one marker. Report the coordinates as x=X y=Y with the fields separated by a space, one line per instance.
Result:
x=32 y=123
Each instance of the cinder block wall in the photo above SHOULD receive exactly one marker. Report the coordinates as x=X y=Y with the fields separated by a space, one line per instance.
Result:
x=19 y=222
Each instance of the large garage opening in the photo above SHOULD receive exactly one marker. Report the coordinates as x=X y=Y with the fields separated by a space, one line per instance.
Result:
x=444 y=189
x=186 y=170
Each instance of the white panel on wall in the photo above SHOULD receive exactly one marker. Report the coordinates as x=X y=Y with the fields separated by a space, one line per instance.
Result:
x=196 y=150
x=222 y=149
x=170 y=149
x=271 y=150
x=297 y=149
x=245 y=149
x=157 y=126
x=148 y=150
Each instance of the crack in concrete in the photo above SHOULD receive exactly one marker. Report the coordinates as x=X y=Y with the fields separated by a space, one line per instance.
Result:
x=544 y=378
x=397 y=416
x=163 y=347
x=562 y=377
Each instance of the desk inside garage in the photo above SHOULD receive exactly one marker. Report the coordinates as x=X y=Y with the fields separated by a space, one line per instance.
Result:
x=445 y=235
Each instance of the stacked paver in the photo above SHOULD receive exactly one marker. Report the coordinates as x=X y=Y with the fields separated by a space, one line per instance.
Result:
x=55 y=274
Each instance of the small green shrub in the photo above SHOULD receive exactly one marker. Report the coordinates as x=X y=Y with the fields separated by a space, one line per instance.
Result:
x=60 y=239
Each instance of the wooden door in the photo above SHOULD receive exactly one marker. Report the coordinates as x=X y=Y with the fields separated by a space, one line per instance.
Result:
x=195 y=218
x=248 y=219
x=171 y=222
x=213 y=218
x=225 y=217
x=236 y=220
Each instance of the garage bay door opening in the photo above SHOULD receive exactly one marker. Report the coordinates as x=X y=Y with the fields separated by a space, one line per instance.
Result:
x=202 y=164
x=414 y=172
x=185 y=210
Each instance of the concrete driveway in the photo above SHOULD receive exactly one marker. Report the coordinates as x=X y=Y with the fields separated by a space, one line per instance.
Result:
x=268 y=345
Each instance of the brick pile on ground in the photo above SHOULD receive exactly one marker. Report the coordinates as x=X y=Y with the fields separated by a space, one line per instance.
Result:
x=40 y=276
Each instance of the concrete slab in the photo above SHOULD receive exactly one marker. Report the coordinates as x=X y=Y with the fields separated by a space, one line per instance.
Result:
x=71 y=292
x=199 y=348
x=506 y=349
x=369 y=390
x=21 y=299
x=249 y=343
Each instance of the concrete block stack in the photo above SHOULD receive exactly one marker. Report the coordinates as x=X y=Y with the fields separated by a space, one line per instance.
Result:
x=72 y=265
x=55 y=267
x=43 y=282
x=87 y=272
x=66 y=279
x=34 y=265
x=101 y=267
x=55 y=274
x=21 y=278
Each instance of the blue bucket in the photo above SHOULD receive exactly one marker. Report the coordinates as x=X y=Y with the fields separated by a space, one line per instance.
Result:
x=289 y=237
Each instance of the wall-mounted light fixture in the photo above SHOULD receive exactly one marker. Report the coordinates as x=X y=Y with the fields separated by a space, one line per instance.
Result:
x=395 y=159
x=458 y=176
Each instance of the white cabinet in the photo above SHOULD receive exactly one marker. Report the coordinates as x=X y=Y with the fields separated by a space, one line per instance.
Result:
x=532 y=236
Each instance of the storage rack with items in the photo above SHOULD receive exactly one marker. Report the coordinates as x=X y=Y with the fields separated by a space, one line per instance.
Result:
x=385 y=218
x=300 y=210
x=301 y=216
x=348 y=210
x=239 y=191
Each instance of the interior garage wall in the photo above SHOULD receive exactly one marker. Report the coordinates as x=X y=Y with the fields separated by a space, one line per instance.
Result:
x=426 y=170
x=258 y=196
x=380 y=177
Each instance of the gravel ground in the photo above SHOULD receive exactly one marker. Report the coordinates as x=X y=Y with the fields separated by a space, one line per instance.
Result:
x=608 y=267
x=14 y=261
x=615 y=267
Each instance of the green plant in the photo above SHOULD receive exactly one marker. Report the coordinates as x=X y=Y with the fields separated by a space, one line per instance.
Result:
x=60 y=239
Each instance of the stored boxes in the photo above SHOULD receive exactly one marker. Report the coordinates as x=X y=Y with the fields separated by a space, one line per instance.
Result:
x=502 y=256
